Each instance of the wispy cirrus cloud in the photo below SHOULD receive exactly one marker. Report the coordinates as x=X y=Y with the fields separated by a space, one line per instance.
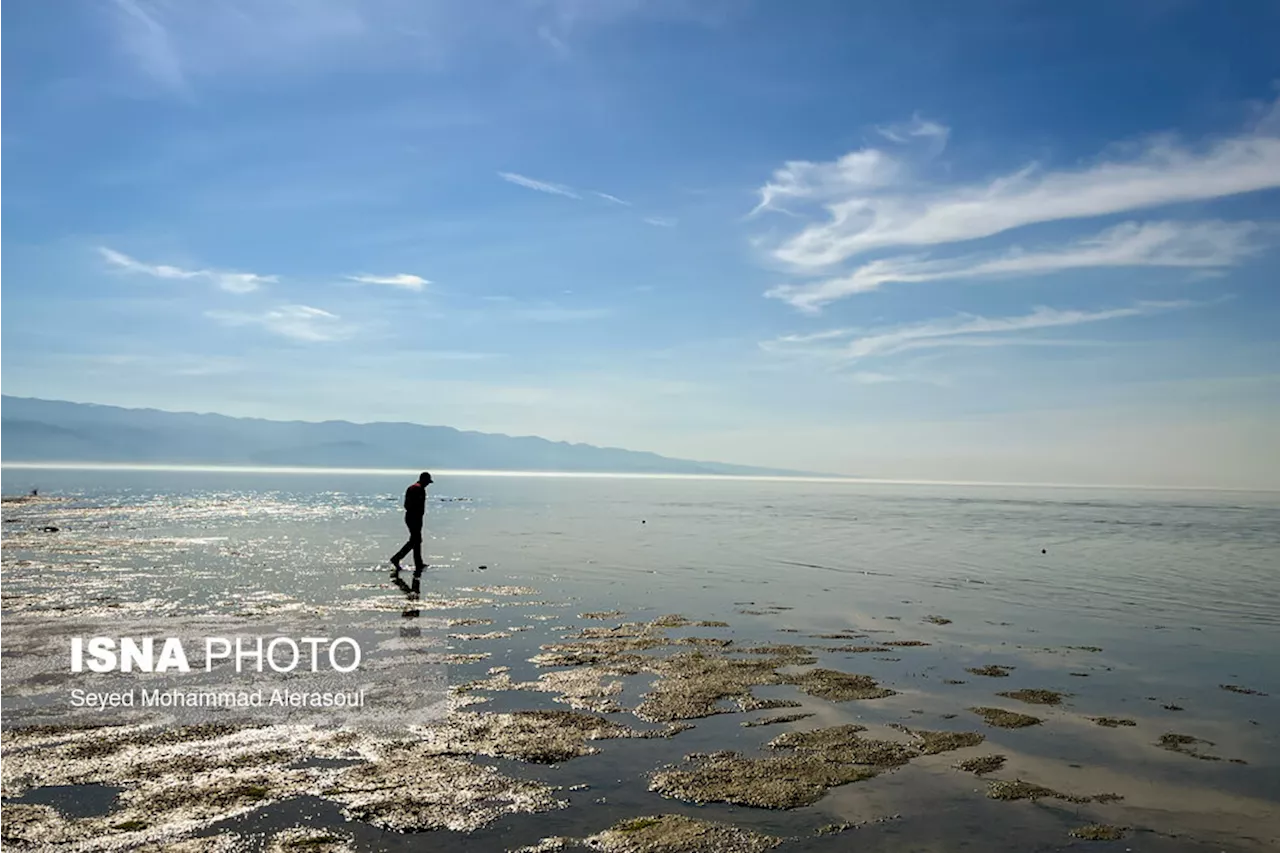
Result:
x=661 y=221
x=866 y=202
x=540 y=186
x=406 y=281
x=146 y=40
x=296 y=322
x=1196 y=245
x=612 y=198
x=176 y=47
x=559 y=189
x=857 y=172
x=851 y=345
x=228 y=280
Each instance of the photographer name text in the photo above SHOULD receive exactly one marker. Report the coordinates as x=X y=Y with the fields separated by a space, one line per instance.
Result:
x=174 y=698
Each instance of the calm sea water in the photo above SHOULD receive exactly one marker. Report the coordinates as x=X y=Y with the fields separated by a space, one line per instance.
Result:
x=1179 y=590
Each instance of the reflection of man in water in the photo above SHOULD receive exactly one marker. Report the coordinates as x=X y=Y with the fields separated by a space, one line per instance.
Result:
x=412 y=594
x=415 y=506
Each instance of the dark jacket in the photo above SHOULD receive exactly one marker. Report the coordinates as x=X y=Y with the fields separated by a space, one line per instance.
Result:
x=415 y=503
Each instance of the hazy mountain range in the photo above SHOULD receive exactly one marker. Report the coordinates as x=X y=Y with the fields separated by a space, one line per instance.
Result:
x=35 y=430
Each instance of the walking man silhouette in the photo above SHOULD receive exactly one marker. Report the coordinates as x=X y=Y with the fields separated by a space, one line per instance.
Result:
x=415 y=506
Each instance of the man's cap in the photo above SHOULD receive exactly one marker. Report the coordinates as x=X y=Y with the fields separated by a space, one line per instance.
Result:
x=425 y=477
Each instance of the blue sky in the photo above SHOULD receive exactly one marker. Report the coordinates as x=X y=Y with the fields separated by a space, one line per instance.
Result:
x=1006 y=241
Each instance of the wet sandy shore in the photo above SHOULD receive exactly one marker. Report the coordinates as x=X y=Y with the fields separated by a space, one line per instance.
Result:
x=624 y=729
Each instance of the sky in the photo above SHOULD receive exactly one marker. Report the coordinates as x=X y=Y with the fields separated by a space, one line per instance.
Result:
x=993 y=240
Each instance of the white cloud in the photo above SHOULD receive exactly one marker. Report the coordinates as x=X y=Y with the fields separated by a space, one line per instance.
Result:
x=956 y=331
x=147 y=41
x=856 y=171
x=868 y=203
x=662 y=221
x=296 y=322
x=1199 y=245
x=540 y=186
x=232 y=282
x=917 y=128
x=612 y=198
x=402 y=280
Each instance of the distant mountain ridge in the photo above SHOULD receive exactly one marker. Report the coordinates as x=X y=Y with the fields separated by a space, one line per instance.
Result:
x=34 y=430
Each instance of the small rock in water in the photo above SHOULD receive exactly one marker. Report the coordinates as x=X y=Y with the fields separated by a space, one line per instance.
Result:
x=1044 y=550
x=482 y=568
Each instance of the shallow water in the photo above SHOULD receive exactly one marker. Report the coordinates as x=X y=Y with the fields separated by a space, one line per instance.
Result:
x=1178 y=591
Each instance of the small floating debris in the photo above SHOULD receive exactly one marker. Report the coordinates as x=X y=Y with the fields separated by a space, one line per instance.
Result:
x=546 y=845
x=937 y=620
x=833 y=828
x=1098 y=832
x=1003 y=719
x=1246 y=691
x=1113 y=722
x=775 y=720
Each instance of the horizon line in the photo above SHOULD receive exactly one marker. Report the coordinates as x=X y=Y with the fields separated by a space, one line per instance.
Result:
x=619 y=475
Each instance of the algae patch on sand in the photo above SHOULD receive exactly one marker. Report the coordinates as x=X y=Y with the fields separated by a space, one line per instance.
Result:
x=305 y=840
x=932 y=743
x=819 y=759
x=1113 y=722
x=415 y=788
x=540 y=737
x=1187 y=745
x=692 y=685
x=1034 y=697
x=1020 y=790
x=678 y=834
x=982 y=764
x=1000 y=718
x=781 y=782
x=775 y=720
x=844 y=744
x=836 y=686
x=991 y=670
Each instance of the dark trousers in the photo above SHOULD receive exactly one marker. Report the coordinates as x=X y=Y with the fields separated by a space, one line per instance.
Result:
x=414 y=544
